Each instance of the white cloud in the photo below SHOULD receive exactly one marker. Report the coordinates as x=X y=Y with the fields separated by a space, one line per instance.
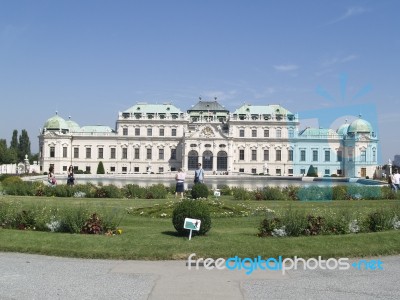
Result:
x=351 y=12
x=338 y=60
x=286 y=68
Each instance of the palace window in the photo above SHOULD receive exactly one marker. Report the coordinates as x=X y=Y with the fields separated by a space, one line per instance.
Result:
x=278 y=155
x=52 y=151
x=266 y=155
x=290 y=155
x=241 y=154
x=88 y=152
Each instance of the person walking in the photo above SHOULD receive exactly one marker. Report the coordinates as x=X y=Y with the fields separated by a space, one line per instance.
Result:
x=71 y=178
x=396 y=179
x=50 y=177
x=199 y=174
x=180 y=183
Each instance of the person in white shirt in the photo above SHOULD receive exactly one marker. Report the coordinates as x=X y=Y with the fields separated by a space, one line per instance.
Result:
x=180 y=183
x=396 y=179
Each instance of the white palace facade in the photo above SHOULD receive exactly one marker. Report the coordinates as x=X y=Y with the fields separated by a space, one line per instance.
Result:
x=253 y=139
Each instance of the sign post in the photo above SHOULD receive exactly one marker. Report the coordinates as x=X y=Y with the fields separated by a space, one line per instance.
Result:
x=191 y=224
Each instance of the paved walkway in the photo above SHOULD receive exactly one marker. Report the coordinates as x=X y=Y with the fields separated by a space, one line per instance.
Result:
x=25 y=276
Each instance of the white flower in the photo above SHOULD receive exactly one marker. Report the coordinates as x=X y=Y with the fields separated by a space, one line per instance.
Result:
x=396 y=222
x=279 y=232
x=163 y=215
x=353 y=226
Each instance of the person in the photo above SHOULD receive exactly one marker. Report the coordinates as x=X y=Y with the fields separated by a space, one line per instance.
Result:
x=396 y=180
x=199 y=174
x=71 y=178
x=50 y=177
x=180 y=182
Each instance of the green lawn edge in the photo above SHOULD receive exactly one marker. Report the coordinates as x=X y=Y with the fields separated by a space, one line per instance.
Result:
x=146 y=238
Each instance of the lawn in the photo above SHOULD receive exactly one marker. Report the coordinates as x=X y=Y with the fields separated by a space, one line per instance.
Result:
x=152 y=237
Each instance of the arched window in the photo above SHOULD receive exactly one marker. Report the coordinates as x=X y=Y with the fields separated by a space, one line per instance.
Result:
x=193 y=159
x=207 y=160
x=222 y=161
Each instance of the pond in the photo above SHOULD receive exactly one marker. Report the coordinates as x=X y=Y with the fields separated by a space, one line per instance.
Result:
x=215 y=181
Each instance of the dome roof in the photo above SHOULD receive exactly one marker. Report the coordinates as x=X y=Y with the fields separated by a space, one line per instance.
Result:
x=342 y=130
x=360 y=125
x=72 y=125
x=56 y=123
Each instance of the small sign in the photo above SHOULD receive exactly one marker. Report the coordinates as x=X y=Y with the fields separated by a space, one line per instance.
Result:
x=217 y=193
x=192 y=224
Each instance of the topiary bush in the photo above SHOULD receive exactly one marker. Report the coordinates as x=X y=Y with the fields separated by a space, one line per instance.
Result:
x=273 y=193
x=199 y=190
x=191 y=209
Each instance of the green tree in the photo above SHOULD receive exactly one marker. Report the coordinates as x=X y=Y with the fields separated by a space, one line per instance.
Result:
x=312 y=172
x=24 y=145
x=100 y=168
x=3 y=151
x=14 y=140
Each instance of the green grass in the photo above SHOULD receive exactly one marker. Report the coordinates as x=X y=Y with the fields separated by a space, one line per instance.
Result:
x=153 y=238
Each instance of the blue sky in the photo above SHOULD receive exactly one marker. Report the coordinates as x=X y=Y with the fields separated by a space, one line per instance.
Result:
x=91 y=59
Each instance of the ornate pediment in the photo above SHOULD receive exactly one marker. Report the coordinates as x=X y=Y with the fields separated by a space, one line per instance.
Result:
x=206 y=132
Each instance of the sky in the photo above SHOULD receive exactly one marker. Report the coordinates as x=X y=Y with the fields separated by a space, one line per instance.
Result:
x=322 y=59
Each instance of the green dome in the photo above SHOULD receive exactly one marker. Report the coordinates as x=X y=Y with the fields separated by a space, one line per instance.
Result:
x=72 y=125
x=56 y=123
x=342 y=130
x=360 y=126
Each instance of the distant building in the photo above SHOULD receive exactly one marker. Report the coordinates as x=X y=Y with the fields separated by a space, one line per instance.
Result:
x=253 y=139
x=396 y=160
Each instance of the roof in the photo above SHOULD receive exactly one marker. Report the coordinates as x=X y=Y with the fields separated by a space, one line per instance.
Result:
x=342 y=130
x=153 y=108
x=317 y=132
x=72 y=125
x=262 y=110
x=56 y=123
x=96 y=128
x=359 y=125
x=208 y=105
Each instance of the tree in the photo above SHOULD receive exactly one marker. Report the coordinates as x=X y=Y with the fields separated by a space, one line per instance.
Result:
x=14 y=140
x=24 y=146
x=100 y=168
x=312 y=172
x=3 y=151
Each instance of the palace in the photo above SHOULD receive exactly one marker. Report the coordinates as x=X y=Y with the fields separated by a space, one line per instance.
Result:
x=253 y=139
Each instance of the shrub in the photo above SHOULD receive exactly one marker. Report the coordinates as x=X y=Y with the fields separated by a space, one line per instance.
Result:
x=93 y=225
x=199 y=190
x=291 y=192
x=315 y=193
x=315 y=225
x=225 y=190
x=108 y=191
x=240 y=193
x=295 y=222
x=100 y=168
x=195 y=209
x=73 y=220
x=273 y=193
x=133 y=191
x=156 y=191
x=312 y=172
x=380 y=220
x=268 y=225
x=339 y=192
